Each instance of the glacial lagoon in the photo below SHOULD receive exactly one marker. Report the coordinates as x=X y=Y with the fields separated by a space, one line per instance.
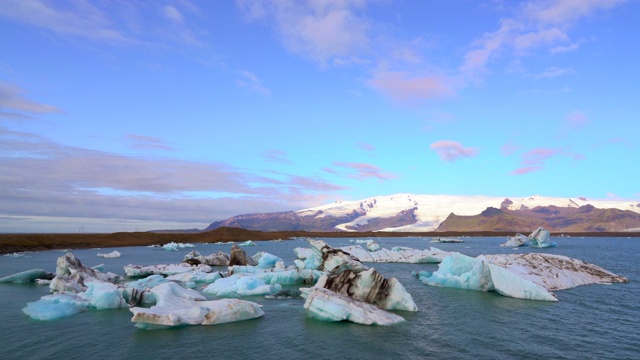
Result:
x=594 y=321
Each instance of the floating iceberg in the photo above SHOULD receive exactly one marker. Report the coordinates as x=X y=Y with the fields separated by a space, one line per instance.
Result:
x=72 y=276
x=179 y=306
x=371 y=287
x=165 y=269
x=515 y=241
x=266 y=260
x=14 y=255
x=327 y=305
x=172 y=246
x=113 y=254
x=27 y=276
x=524 y=276
x=540 y=238
x=446 y=240
x=333 y=260
x=372 y=246
x=241 y=285
x=52 y=307
x=247 y=243
x=399 y=255
x=218 y=259
x=240 y=257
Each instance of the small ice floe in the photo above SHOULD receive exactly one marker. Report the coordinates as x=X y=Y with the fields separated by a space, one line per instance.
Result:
x=14 y=255
x=173 y=246
x=516 y=241
x=446 y=240
x=113 y=254
x=247 y=243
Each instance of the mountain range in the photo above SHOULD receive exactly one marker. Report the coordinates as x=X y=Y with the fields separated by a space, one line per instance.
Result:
x=422 y=213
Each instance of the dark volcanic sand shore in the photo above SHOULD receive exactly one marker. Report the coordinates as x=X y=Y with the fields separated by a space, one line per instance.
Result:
x=10 y=243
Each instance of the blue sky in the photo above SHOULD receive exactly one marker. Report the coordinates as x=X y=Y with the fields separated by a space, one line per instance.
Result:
x=123 y=116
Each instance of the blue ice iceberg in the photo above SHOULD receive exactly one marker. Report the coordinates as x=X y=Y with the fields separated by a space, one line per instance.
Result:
x=540 y=239
x=179 y=306
x=241 y=285
x=464 y=272
x=52 y=307
x=27 y=276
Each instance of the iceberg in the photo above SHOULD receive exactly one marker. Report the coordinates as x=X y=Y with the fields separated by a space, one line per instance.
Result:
x=371 y=287
x=540 y=238
x=247 y=243
x=372 y=246
x=177 y=306
x=14 y=255
x=113 y=254
x=446 y=240
x=193 y=277
x=266 y=260
x=333 y=260
x=515 y=241
x=327 y=305
x=218 y=259
x=72 y=275
x=240 y=257
x=173 y=246
x=523 y=276
x=241 y=285
x=399 y=255
x=52 y=307
x=165 y=269
x=28 y=276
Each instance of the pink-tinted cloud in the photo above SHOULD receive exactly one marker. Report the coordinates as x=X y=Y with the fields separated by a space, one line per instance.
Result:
x=322 y=31
x=409 y=88
x=277 y=156
x=576 y=120
x=14 y=103
x=362 y=171
x=143 y=142
x=366 y=147
x=525 y=170
x=509 y=148
x=538 y=156
x=451 y=150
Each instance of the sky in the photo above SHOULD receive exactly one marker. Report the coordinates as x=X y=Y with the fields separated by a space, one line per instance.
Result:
x=138 y=115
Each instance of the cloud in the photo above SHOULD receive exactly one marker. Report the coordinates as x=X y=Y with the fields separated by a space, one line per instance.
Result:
x=366 y=146
x=534 y=160
x=143 y=142
x=553 y=72
x=560 y=49
x=42 y=178
x=509 y=148
x=576 y=120
x=277 y=156
x=250 y=81
x=451 y=150
x=525 y=170
x=322 y=31
x=173 y=14
x=566 y=11
x=361 y=171
x=407 y=87
x=15 y=104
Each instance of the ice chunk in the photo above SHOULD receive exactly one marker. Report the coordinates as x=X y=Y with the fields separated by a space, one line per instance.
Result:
x=446 y=240
x=372 y=246
x=327 y=305
x=102 y=295
x=540 y=238
x=196 y=277
x=113 y=254
x=165 y=269
x=460 y=271
x=335 y=260
x=52 y=307
x=509 y=284
x=240 y=257
x=178 y=306
x=302 y=253
x=404 y=255
x=241 y=285
x=266 y=260
x=27 y=276
x=247 y=243
x=14 y=255
x=371 y=287
x=173 y=246
x=71 y=275
x=515 y=241
x=218 y=259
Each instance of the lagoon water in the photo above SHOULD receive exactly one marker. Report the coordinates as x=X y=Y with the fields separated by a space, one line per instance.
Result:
x=594 y=321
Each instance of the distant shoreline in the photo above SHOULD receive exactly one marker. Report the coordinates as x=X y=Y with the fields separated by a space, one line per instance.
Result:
x=10 y=243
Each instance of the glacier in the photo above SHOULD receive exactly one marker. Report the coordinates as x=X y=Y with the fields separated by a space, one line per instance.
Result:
x=176 y=306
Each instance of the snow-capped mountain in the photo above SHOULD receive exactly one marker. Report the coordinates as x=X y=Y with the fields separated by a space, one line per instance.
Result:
x=409 y=212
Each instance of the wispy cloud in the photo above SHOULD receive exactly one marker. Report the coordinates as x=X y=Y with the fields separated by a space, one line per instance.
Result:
x=509 y=148
x=410 y=87
x=534 y=160
x=323 y=31
x=143 y=142
x=576 y=120
x=361 y=171
x=14 y=103
x=451 y=151
x=42 y=178
x=366 y=146
x=277 y=156
x=250 y=81
x=565 y=11
x=553 y=72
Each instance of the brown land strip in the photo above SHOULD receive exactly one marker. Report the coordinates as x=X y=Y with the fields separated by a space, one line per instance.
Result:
x=10 y=243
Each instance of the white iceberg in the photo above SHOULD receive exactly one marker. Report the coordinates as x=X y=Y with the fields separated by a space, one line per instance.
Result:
x=179 y=306
x=524 y=276
x=164 y=269
x=72 y=276
x=515 y=241
x=241 y=285
x=446 y=240
x=371 y=287
x=27 y=276
x=399 y=255
x=14 y=255
x=196 y=277
x=372 y=246
x=218 y=259
x=327 y=305
x=333 y=260
x=173 y=246
x=247 y=243
x=113 y=254
x=540 y=238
